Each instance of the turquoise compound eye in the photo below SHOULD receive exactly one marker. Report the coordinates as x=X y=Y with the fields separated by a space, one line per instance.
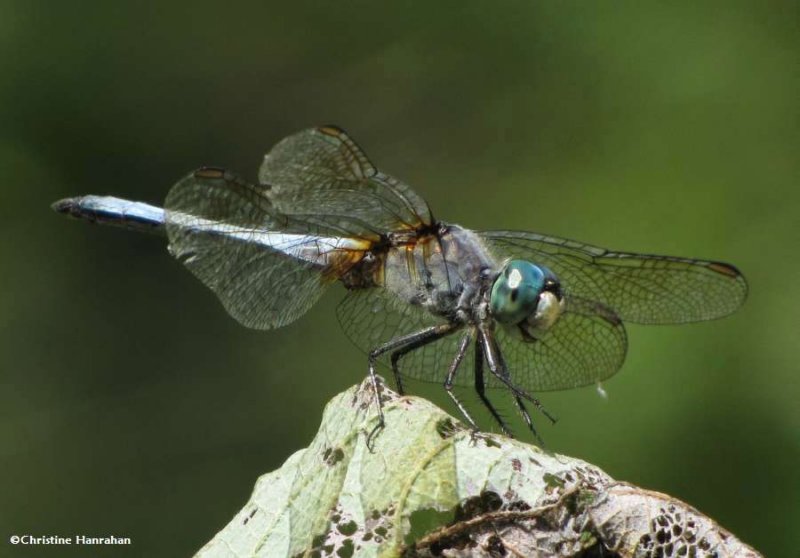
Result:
x=515 y=293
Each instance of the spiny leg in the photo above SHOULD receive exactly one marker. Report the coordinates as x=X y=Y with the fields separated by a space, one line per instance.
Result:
x=398 y=379
x=451 y=374
x=400 y=345
x=503 y=370
x=480 y=387
x=414 y=341
x=498 y=368
x=517 y=399
x=448 y=383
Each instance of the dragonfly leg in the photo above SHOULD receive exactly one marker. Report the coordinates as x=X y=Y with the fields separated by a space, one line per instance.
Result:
x=407 y=343
x=400 y=346
x=451 y=374
x=526 y=416
x=398 y=379
x=480 y=388
x=498 y=368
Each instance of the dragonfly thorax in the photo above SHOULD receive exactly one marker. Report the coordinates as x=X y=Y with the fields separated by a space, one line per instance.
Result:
x=528 y=296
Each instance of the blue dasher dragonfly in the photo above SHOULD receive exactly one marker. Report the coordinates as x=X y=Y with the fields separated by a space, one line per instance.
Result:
x=438 y=301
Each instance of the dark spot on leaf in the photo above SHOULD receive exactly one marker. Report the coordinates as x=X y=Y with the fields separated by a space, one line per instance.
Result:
x=586 y=497
x=486 y=502
x=249 y=516
x=347 y=550
x=424 y=521
x=516 y=464
x=519 y=506
x=458 y=541
x=596 y=549
x=332 y=456
x=573 y=503
x=495 y=547
x=468 y=508
x=553 y=481
x=491 y=501
x=348 y=528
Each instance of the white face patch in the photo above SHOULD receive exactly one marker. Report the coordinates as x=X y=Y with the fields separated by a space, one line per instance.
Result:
x=548 y=310
x=514 y=278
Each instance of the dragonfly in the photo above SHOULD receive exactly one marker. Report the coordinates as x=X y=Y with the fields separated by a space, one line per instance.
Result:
x=434 y=301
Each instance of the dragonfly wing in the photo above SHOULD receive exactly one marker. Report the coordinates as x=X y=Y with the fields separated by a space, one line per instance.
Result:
x=640 y=288
x=371 y=317
x=322 y=177
x=586 y=345
x=228 y=233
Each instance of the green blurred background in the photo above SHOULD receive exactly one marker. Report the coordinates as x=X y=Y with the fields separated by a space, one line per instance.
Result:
x=132 y=405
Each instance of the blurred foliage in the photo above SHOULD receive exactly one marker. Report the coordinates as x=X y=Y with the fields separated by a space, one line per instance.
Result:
x=132 y=405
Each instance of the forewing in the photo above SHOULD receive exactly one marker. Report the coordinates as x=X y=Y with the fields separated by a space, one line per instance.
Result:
x=226 y=232
x=640 y=288
x=323 y=178
x=586 y=345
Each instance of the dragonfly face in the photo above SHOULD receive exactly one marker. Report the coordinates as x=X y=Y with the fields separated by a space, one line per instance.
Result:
x=527 y=296
x=443 y=302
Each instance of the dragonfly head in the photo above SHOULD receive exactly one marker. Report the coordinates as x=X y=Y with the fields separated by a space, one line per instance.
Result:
x=526 y=295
